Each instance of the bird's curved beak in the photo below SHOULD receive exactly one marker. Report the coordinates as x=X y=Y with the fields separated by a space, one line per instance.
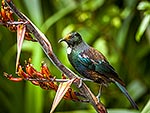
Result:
x=61 y=40
x=66 y=38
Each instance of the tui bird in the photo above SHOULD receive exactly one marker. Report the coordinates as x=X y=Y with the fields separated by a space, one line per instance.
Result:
x=92 y=64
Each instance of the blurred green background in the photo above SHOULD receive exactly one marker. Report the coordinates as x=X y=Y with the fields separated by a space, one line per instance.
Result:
x=118 y=28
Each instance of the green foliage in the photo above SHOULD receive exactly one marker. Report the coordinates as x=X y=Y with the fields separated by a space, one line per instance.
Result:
x=144 y=6
x=146 y=108
x=113 y=27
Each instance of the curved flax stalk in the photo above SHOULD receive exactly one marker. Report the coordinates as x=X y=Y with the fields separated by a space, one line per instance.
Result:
x=41 y=38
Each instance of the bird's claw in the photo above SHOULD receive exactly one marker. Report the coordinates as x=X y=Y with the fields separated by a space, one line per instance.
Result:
x=83 y=79
x=98 y=97
x=99 y=93
x=80 y=84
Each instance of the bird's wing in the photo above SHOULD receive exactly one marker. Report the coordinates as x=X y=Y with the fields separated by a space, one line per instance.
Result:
x=94 y=60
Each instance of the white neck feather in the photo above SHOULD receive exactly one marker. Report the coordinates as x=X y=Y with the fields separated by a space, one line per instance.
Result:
x=69 y=49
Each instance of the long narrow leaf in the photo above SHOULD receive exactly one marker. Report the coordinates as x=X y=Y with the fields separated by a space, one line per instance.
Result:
x=142 y=27
x=62 y=89
x=146 y=108
x=20 y=37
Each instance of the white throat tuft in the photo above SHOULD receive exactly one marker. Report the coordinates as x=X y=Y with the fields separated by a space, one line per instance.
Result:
x=69 y=49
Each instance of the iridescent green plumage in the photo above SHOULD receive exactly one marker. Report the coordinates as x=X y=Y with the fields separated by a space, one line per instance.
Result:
x=92 y=64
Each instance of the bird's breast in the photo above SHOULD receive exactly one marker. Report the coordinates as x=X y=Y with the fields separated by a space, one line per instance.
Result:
x=85 y=70
x=79 y=67
x=73 y=58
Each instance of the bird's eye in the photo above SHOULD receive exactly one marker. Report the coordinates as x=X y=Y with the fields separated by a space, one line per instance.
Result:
x=76 y=34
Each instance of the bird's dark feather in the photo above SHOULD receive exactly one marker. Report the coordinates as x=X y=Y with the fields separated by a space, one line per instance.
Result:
x=94 y=60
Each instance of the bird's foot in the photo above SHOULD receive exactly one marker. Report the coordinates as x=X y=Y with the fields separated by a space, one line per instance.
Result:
x=98 y=97
x=99 y=93
x=84 y=79
x=80 y=84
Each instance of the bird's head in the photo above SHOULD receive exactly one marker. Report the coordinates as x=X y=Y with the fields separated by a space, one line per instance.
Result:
x=72 y=39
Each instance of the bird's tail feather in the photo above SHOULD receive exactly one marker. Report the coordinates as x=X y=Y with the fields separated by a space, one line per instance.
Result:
x=125 y=92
